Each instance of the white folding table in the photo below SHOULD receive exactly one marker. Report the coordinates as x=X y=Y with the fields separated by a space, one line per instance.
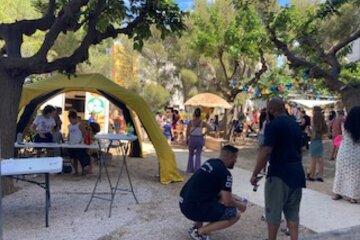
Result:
x=23 y=166
x=121 y=143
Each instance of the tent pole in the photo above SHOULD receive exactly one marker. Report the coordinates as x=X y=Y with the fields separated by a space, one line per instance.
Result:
x=1 y=210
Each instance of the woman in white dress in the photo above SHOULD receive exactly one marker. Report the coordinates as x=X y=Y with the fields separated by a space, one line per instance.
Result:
x=347 y=175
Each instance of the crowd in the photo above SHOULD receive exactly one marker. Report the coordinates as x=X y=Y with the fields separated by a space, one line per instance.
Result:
x=284 y=134
x=46 y=128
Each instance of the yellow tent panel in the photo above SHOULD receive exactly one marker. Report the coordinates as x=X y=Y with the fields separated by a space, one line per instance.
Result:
x=97 y=83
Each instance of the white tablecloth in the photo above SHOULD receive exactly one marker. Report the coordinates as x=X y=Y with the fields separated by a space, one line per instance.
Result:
x=57 y=145
x=116 y=137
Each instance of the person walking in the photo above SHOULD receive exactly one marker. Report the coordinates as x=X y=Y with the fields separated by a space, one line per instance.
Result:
x=318 y=129
x=195 y=140
x=285 y=175
x=347 y=174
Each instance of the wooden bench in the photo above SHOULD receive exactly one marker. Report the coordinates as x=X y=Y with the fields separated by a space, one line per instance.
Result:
x=215 y=143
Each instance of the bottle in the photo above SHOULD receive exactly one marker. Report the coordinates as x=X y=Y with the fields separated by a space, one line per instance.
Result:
x=244 y=200
x=87 y=139
x=19 y=137
x=255 y=188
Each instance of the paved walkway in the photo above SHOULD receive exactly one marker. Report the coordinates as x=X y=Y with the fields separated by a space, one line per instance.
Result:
x=318 y=211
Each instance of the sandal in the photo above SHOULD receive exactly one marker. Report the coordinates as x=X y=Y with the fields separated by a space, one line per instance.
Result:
x=353 y=201
x=337 y=197
x=319 y=179
x=311 y=179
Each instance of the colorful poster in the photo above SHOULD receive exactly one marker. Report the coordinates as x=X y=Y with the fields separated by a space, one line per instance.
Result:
x=97 y=107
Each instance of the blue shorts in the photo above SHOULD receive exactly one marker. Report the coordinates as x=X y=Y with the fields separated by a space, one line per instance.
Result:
x=316 y=148
x=212 y=211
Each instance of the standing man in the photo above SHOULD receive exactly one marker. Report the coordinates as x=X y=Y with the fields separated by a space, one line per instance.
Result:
x=207 y=196
x=286 y=176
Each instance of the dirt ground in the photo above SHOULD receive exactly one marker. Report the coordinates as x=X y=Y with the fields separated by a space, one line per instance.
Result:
x=161 y=218
x=156 y=217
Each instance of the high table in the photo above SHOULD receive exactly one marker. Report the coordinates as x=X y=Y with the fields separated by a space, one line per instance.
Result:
x=121 y=143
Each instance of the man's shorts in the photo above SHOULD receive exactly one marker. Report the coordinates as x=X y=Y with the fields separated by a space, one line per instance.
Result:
x=212 y=211
x=280 y=198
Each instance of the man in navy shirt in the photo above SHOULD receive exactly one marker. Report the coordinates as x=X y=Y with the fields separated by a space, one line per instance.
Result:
x=207 y=196
x=286 y=176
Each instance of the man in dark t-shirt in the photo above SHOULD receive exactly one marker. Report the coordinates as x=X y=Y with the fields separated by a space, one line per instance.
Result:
x=286 y=176
x=207 y=196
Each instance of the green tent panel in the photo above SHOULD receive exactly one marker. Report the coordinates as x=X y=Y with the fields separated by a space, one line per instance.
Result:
x=33 y=95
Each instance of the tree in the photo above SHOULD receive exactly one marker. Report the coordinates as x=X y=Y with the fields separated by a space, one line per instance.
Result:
x=235 y=37
x=97 y=20
x=156 y=96
x=317 y=41
x=189 y=79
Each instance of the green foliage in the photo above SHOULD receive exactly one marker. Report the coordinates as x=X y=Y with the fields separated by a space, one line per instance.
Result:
x=156 y=96
x=238 y=32
x=351 y=73
x=188 y=77
x=311 y=28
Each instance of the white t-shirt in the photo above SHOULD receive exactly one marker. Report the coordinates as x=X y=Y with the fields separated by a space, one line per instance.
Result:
x=43 y=124
x=75 y=134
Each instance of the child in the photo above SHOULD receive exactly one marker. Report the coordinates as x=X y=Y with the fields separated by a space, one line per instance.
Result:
x=77 y=131
x=167 y=130
x=44 y=125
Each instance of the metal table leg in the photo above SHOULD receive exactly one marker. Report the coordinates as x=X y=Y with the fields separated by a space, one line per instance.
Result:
x=123 y=149
x=47 y=199
x=102 y=165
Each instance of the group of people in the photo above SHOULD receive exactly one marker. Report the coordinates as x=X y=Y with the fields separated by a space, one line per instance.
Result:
x=47 y=129
x=172 y=124
x=207 y=196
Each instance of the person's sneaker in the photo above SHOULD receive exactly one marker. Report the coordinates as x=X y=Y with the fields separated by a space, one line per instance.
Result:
x=191 y=229
x=285 y=231
x=196 y=236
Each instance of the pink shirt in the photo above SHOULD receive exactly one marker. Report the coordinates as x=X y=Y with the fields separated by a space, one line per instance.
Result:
x=337 y=125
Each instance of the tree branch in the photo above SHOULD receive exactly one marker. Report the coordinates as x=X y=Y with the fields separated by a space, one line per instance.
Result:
x=29 y=27
x=224 y=91
x=333 y=50
x=314 y=45
x=62 y=23
x=262 y=70
x=220 y=55
x=256 y=77
x=236 y=67
x=93 y=36
x=332 y=82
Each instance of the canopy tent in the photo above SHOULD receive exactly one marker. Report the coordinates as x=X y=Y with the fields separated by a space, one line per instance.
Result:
x=312 y=103
x=207 y=100
x=35 y=94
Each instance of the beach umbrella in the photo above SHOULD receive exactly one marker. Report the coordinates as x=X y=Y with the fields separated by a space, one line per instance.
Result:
x=208 y=100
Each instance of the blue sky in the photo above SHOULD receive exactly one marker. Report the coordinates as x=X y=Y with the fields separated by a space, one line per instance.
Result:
x=186 y=4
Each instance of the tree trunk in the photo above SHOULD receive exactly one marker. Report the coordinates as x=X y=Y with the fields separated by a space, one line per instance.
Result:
x=351 y=97
x=10 y=92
